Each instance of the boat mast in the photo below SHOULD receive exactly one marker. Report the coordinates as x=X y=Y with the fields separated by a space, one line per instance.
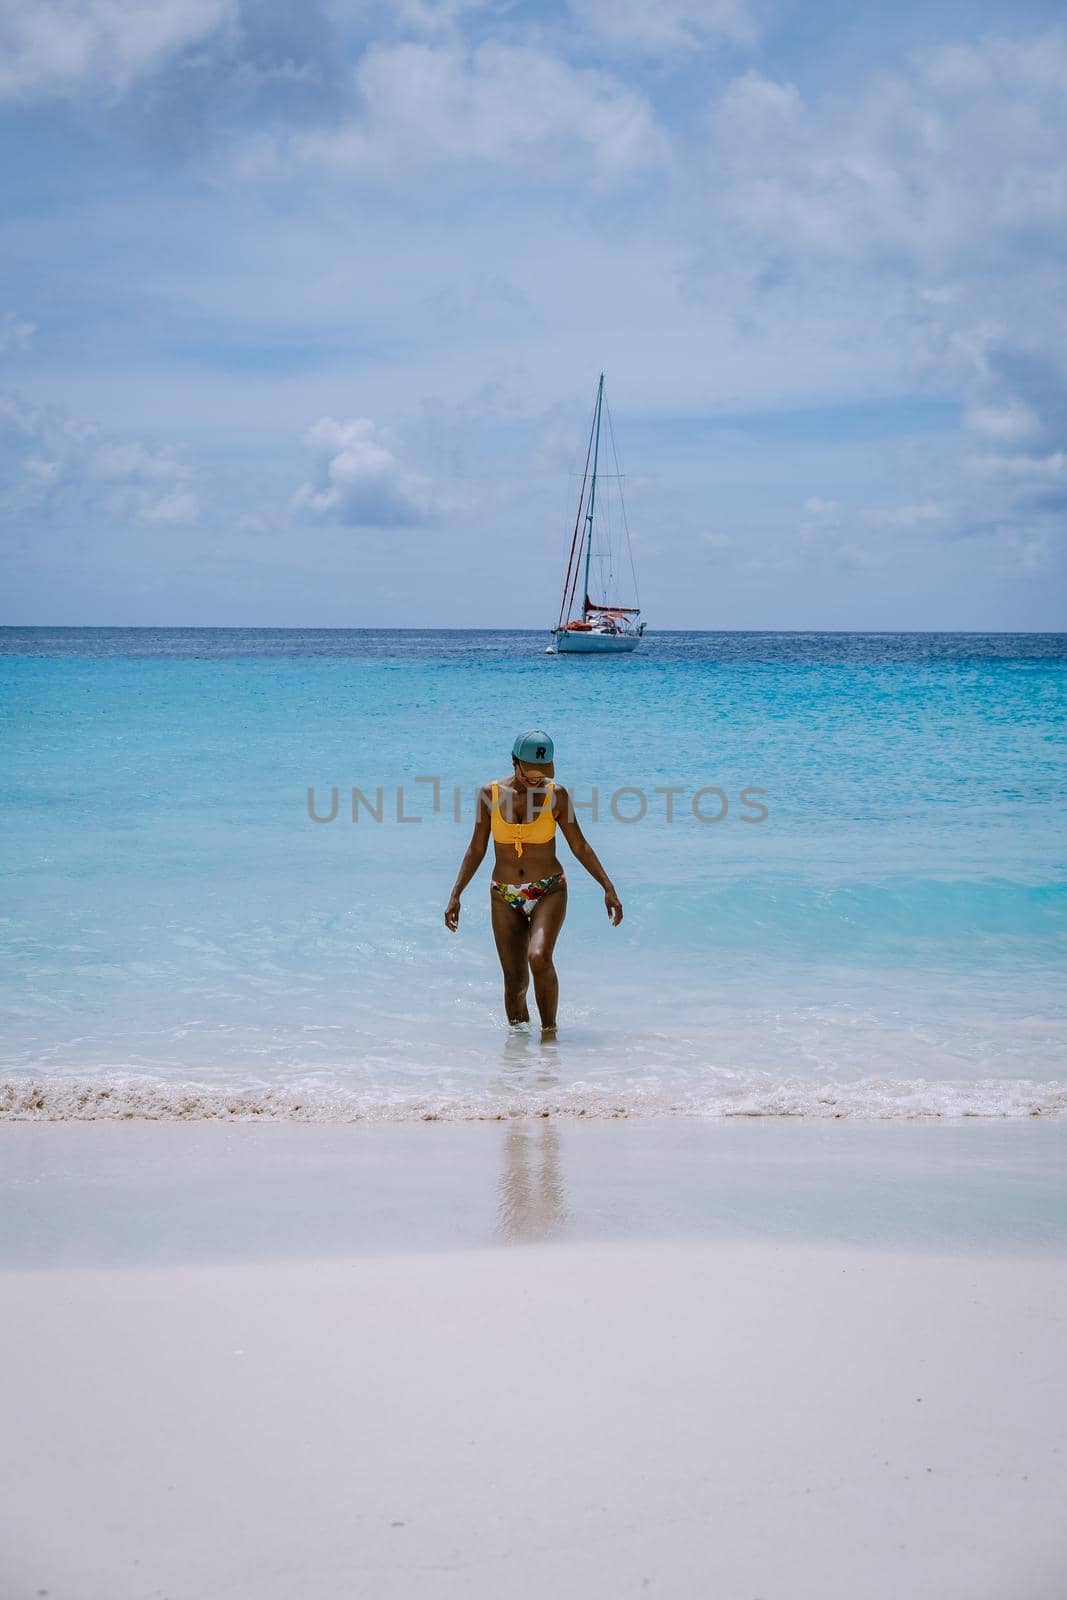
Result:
x=592 y=494
x=575 y=556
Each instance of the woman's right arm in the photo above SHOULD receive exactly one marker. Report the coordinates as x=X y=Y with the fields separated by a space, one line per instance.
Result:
x=472 y=860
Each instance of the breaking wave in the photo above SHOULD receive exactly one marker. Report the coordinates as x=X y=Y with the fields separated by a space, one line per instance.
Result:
x=127 y=1097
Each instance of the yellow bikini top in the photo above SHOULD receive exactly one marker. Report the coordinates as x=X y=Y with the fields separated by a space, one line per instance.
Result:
x=539 y=831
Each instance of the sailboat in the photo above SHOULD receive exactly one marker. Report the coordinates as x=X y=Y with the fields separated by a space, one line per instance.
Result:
x=603 y=626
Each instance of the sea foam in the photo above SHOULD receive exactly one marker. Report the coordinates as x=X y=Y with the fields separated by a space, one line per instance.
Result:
x=125 y=1096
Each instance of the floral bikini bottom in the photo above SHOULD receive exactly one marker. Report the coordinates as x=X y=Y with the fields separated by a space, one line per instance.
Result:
x=525 y=896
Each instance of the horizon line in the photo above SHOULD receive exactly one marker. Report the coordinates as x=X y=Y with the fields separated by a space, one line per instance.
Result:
x=253 y=627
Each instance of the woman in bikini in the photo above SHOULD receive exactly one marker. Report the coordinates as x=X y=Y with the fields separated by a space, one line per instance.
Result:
x=528 y=893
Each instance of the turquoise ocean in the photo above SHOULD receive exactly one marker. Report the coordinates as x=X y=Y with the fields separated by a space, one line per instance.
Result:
x=880 y=931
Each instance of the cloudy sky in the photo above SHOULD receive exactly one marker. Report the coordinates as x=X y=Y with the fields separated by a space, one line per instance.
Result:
x=303 y=304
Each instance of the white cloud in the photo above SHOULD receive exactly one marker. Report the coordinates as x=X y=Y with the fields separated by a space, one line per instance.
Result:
x=1023 y=550
x=1005 y=422
x=1049 y=469
x=433 y=16
x=56 y=48
x=919 y=219
x=865 y=538
x=358 y=480
x=917 y=514
x=941 y=167
x=126 y=461
x=503 y=104
x=15 y=332
x=829 y=539
x=56 y=465
x=177 y=508
x=668 y=28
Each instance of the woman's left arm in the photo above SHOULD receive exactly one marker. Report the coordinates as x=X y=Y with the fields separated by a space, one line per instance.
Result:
x=571 y=830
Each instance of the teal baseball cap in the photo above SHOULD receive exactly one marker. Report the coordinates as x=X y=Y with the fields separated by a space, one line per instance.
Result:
x=534 y=746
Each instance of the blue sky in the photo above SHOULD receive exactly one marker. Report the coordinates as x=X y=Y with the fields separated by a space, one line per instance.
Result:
x=303 y=307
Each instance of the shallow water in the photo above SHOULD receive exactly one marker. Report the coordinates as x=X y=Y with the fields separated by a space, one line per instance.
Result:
x=180 y=938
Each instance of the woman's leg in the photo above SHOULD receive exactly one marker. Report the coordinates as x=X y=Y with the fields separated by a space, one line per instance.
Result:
x=545 y=924
x=512 y=937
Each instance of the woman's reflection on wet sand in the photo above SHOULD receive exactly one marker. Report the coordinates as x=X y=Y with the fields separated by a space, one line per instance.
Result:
x=532 y=1203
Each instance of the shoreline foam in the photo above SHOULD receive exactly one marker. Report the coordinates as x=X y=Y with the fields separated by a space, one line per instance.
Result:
x=128 y=1096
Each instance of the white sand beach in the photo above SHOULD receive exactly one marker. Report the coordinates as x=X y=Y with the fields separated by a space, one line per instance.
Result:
x=720 y=1412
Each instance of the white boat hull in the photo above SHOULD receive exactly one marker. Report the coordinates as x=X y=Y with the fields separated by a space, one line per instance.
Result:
x=594 y=644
